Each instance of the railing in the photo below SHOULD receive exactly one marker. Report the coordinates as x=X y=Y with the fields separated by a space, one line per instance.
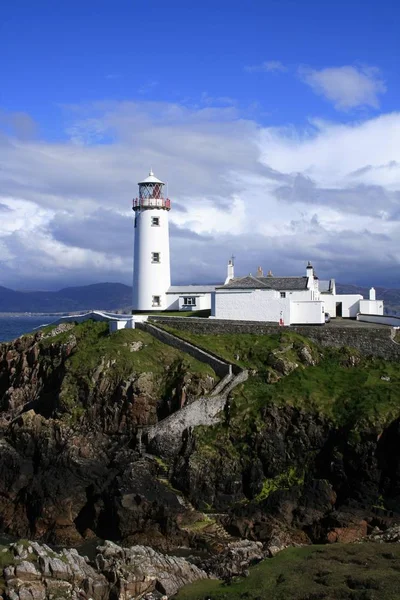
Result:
x=138 y=203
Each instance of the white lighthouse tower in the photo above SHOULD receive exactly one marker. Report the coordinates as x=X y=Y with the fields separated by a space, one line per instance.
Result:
x=151 y=264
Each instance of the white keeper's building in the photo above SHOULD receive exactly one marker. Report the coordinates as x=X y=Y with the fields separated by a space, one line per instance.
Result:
x=285 y=300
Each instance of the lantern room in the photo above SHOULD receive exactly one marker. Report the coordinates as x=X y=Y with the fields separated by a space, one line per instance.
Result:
x=151 y=194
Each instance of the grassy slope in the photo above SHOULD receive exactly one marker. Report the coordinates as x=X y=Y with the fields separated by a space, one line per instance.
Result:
x=350 y=395
x=95 y=346
x=353 y=572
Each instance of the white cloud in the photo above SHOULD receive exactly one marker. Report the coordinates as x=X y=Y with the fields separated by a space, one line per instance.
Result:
x=268 y=66
x=346 y=87
x=272 y=196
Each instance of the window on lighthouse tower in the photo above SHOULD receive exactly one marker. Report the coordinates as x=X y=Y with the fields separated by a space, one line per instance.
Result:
x=155 y=257
x=155 y=221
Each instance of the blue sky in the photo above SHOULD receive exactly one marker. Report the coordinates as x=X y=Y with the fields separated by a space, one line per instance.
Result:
x=275 y=86
x=57 y=53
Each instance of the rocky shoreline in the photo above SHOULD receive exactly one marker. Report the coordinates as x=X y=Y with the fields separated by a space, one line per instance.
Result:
x=33 y=571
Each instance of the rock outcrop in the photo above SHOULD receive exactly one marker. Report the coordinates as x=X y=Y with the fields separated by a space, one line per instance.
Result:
x=36 y=572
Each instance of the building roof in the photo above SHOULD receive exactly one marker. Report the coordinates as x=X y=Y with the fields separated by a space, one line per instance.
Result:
x=268 y=283
x=151 y=179
x=191 y=289
x=326 y=285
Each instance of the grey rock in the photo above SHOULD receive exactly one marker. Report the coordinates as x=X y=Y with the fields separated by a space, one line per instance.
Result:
x=27 y=571
x=125 y=573
x=9 y=573
x=139 y=570
x=306 y=356
x=391 y=535
x=235 y=560
x=136 y=346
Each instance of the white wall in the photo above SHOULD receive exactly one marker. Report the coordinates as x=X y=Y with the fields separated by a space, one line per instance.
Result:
x=371 y=307
x=307 y=313
x=350 y=304
x=175 y=301
x=251 y=305
x=382 y=319
x=121 y=324
x=329 y=301
x=203 y=302
x=300 y=295
x=150 y=279
x=172 y=302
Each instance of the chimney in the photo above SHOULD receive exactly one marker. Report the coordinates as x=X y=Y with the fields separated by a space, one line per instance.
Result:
x=269 y=274
x=260 y=272
x=372 y=294
x=310 y=275
x=231 y=271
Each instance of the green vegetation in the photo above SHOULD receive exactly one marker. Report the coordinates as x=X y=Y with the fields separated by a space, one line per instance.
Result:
x=350 y=389
x=245 y=349
x=282 y=481
x=6 y=557
x=346 y=572
x=203 y=523
x=91 y=350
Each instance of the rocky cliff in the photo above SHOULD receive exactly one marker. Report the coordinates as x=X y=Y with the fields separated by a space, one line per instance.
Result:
x=72 y=401
x=307 y=450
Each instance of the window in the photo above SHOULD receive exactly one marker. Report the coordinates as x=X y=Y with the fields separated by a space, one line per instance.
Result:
x=283 y=294
x=156 y=301
x=189 y=301
x=155 y=221
x=155 y=257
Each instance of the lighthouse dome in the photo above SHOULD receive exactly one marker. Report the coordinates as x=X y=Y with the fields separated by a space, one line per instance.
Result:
x=151 y=179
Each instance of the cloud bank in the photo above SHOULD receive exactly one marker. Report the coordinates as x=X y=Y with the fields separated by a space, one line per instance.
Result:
x=275 y=197
x=346 y=87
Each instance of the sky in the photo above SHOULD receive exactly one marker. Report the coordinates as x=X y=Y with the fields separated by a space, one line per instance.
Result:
x=276 y=124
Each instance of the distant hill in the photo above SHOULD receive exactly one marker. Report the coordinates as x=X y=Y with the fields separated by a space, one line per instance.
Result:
x=106 y=296
x=117 y=296
x=390 y=296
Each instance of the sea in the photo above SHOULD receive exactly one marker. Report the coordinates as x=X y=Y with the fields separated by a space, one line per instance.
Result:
x=12 y=326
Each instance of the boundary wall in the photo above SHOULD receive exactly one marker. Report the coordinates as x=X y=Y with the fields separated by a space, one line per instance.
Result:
x=391 y=320
x=370 y=341
x=221 y=367
x=167 y=436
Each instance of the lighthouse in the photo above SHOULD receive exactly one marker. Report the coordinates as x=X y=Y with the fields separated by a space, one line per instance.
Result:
x=151 y=263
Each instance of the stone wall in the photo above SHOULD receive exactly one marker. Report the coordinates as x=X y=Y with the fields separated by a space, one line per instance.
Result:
x=166 y=437
x=221 y=367
x=375 y=341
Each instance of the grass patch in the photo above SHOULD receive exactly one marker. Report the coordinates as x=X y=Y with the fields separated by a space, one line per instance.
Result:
x=354 y=572
x=352 y=394
x=6 y=557
x=198 y=526
x=96 y=349
x=282 y=481
x=245 y=349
